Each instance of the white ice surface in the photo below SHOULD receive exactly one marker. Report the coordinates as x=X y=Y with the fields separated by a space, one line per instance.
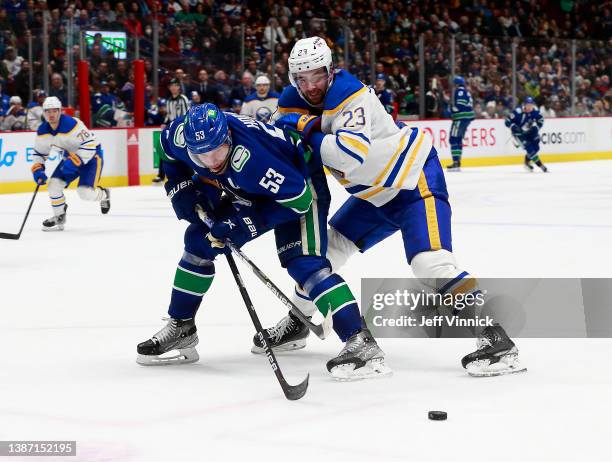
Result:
x=73 y=306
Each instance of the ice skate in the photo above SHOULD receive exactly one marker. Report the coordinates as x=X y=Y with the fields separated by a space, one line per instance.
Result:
x=287 y=335
x=496 y=354
x=454 y=167
x=543 y=167
x=174 y=344
x=361 y=358
x=105 y=203
x=55 y=223
x=528 y=165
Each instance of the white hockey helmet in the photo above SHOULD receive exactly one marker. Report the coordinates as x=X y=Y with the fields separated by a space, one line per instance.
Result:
x=52 y=102
x=262 y=80
x=309 y=54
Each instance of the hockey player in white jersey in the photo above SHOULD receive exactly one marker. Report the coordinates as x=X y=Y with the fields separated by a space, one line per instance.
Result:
x=396 y=183
x=81 y=157
x=262 y=103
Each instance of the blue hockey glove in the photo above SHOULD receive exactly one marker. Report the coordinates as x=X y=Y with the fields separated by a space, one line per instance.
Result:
x=184 y=197
x=304 y=124
x=238 y=224
x=38 y=171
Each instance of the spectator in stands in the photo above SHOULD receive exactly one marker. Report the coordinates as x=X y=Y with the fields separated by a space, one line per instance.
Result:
x=34 y=113
x=194 y=98
x=15 y=116
x=156 y=114
x=4 y=101
x=208 y=91
x=236 y=106
x=12 y=61
x=103 y=105
x=57 y=88
x=183 y=80
x=245 y=88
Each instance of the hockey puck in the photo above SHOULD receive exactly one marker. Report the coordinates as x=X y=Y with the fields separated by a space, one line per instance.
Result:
x=437 y=415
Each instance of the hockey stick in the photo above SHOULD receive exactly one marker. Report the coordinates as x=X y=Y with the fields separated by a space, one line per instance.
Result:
x=18 y=235
x=292 y=392
x=315 y=328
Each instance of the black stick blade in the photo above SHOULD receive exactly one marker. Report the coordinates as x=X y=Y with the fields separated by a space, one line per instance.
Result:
x=9 y=236
x=295 y=392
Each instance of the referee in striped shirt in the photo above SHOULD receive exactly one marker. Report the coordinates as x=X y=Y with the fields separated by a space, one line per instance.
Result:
x=177 y=105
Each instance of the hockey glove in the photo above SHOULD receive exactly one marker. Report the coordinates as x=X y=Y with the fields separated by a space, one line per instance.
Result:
x=304 y=124
x=236 y=226
x=184 y=197
x=38 y=171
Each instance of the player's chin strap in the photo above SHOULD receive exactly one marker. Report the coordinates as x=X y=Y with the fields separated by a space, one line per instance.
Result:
x=318 y=330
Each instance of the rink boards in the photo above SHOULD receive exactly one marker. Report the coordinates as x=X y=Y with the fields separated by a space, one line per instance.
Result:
x=128 y=153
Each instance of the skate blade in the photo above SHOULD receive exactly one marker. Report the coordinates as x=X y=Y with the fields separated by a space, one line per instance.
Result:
x=453 y=169
x=529 y=169
x=289 y=346
x=484 y=369
x=182 y=356
x=53 y=228
x=375 y=368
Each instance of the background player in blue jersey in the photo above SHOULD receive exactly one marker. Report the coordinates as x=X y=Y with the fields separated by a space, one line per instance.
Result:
x=525 y=123
x=462 y=113
x=81 y=157
x=384 y=95
x=268 y=182
x=396 y=183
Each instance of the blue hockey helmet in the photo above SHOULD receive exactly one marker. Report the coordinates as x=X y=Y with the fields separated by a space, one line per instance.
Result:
x=529 y=100
x=458 y=80
x=205 y=129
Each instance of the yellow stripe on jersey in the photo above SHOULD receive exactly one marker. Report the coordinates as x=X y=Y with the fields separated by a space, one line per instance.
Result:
x=391 y=162
x=287 y=110
x=361 y=147
x=415 y=149
x=333 y=111
x=98 y=170
x=369 y=192
x=76 y=160
x=430 y=213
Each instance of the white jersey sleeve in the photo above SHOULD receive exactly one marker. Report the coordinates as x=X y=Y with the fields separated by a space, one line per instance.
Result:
x=366 y=147
x=83 y=142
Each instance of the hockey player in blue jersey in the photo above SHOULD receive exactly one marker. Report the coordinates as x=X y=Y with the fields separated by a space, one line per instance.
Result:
x=384 y=95
x=462 y=113
x=268 y=182
x=525 y=123
x=81 y=157
x=396 y=183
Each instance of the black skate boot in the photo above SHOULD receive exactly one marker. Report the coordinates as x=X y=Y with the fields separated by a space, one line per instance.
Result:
x=288 y=334
x=454 y=167
x=542 y=166
x=496 y=354
x=174 y=344
x=55 y=223
x=105 y=203
x=528 y=165
x=361 y=358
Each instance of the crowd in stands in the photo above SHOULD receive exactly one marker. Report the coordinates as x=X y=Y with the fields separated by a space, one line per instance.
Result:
x=201 y=44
